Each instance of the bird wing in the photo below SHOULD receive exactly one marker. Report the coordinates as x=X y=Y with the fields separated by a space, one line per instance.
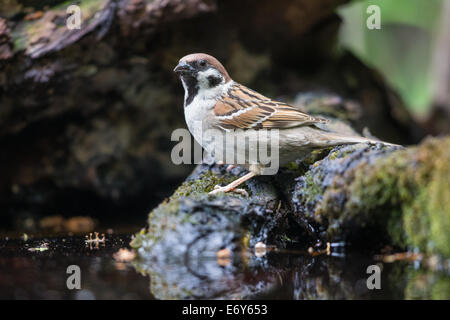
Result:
x=243 y=108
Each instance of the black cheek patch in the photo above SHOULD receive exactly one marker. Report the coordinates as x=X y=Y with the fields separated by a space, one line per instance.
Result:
x=214 y=81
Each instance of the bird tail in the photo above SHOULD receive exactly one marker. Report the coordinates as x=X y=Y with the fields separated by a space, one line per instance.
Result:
x=335 y=139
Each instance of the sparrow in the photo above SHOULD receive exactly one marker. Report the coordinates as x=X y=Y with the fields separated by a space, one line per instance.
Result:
x=215 y=101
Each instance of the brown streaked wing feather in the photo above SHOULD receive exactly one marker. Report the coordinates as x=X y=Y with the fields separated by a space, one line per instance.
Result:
x=244 y=108
x=244 y=93
x=287 y=116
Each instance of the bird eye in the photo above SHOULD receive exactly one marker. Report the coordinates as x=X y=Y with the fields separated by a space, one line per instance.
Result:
x=202 y=63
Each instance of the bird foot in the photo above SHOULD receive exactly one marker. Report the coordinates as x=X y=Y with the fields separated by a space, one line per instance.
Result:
x=218 y=189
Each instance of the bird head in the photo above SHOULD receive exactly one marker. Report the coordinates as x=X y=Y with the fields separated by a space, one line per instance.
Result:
x=202 y=71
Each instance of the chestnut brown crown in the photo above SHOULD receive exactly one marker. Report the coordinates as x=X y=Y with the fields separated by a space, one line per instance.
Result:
x=201 y=60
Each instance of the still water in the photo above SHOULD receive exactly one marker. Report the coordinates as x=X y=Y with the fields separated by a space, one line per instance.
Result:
x=37 y=269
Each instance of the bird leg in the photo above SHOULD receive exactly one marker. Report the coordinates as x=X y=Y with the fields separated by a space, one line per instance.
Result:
x=234 y=184
x=229 y=167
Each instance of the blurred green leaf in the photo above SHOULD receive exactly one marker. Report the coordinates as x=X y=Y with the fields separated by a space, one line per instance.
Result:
x=401 y=49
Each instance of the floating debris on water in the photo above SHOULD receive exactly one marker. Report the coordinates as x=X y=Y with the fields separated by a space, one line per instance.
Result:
x=95 y=241
x=42 y=247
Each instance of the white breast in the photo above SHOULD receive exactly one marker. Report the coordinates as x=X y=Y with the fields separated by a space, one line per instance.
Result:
x=200 y=110
x=196 y=112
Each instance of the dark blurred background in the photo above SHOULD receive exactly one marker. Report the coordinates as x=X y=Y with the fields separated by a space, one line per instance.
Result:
x=86 y=114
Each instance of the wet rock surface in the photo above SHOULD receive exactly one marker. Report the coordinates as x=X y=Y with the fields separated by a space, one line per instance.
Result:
x=194 y=236
x=362 y=197
x=368 y=194
x=338 y=206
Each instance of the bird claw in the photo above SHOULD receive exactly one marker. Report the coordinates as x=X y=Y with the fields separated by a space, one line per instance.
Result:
x=225 y=189
x=242 y=192
x=218 y=189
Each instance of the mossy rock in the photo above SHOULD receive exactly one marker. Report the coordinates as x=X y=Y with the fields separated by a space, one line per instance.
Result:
x=366 y=193
x=188 y=230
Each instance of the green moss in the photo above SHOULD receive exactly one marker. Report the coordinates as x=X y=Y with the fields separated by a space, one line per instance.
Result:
x=312 y=189
x=160 y=219
x=136 y=242
x=293 y=166
x=378 y=194
x=408 y=192
x=438 y=204
x=203 y=185
x=338 y=154
x=169 y=215
x=316 y=155
x=395 y=228
x=333 y=155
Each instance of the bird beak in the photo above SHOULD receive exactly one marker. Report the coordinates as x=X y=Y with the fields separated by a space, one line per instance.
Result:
x=183 y=67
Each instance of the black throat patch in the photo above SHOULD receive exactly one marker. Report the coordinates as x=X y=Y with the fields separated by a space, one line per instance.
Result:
x=191 y=87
